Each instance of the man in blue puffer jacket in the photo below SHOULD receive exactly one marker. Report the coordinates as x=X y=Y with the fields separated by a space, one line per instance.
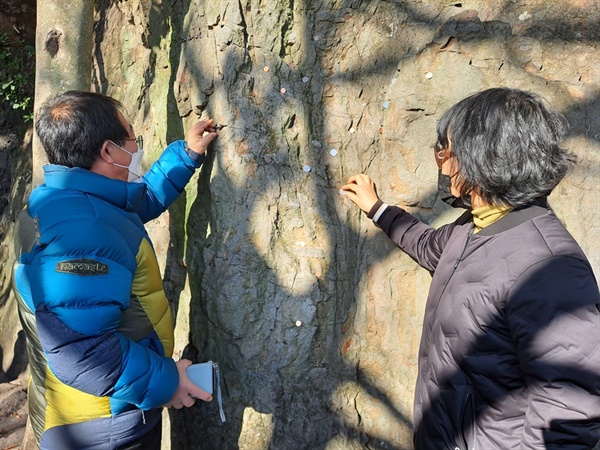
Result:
x=98 y=324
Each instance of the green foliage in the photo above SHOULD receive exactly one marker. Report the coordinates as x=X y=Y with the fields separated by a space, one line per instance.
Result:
x=17 y=75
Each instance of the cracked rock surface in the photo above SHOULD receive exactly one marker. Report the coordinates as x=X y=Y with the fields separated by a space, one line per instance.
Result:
x=313 y=316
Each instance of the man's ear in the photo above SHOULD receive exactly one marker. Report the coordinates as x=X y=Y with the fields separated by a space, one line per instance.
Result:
x=104 y=152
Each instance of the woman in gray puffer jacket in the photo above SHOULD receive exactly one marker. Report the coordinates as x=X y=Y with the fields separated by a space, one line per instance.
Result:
x=510 y=352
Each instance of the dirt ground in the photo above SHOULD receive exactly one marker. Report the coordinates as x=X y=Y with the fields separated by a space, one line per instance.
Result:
x=17 y=21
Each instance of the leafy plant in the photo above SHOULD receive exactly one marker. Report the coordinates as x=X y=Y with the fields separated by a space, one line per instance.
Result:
x=17 y=75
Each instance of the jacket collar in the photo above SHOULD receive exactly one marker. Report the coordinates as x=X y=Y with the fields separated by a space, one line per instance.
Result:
x=123 y=195
x=517 y=217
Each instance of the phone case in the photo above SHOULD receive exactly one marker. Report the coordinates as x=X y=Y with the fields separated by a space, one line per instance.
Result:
x=201 y=375
x=206 y=376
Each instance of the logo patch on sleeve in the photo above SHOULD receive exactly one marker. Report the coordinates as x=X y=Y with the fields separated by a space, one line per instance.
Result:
x=84 y=267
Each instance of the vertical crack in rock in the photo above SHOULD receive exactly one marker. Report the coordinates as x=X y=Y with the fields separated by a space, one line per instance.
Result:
x=246 y=61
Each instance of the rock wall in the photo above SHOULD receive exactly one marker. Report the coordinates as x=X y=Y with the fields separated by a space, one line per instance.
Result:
x=17 y=31
x=313 y=315
x=15 y=179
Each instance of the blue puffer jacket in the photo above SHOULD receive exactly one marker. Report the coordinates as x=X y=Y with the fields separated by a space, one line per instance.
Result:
x=99 y=326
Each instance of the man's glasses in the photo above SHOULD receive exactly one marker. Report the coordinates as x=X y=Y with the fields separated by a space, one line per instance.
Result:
x=138 y=140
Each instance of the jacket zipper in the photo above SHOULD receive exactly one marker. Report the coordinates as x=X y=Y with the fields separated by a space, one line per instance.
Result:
x=460 y=258
x=469 y=237
x=465 y=405
x=468 y=403
x=457 y=262
x=474 y=443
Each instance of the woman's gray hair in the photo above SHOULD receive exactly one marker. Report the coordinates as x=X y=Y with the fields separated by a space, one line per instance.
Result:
x=507 y=145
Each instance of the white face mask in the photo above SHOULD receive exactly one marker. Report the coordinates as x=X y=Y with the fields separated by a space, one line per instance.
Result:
x=135 y=166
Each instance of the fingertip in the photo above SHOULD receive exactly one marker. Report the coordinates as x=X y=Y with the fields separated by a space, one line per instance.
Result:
x=205 y=396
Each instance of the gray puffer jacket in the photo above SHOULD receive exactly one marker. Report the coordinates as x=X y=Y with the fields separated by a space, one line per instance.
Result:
x=510 y=352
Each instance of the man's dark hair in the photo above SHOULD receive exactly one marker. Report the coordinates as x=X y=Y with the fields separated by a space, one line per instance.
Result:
x=73 y=126
x=507 y=145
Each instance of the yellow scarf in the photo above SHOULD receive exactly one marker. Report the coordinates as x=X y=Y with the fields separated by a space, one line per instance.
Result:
x=487 y=215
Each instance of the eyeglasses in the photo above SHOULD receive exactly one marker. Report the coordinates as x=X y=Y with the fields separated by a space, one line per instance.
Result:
x=440 y=155
x=138 y=140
